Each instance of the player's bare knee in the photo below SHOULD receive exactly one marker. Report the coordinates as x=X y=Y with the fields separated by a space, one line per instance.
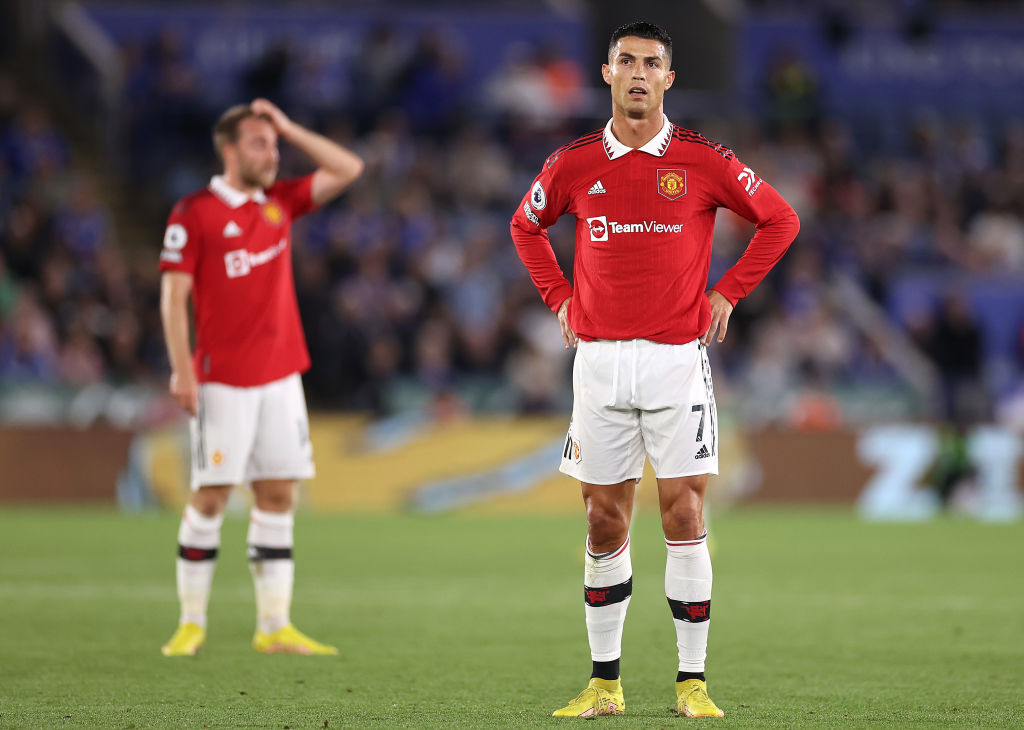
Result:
x=275 y=503
x=606 y=527
x=274 y=497
x=682 y=521
x=274 y=500
x=210 y=501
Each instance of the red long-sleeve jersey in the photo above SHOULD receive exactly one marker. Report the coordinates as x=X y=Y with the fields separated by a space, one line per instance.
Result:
x=644 y=222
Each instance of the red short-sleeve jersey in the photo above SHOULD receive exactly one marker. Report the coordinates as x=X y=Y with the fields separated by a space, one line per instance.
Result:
x=238 y=250
x=644 y=227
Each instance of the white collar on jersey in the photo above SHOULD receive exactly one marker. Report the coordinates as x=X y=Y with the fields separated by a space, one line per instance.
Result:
x=233 y=197
x=657 y=146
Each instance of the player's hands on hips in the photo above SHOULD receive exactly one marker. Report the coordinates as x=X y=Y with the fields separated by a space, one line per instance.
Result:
x=568 y=336
x=185 y=390
x=721 y=309
x=278 y=118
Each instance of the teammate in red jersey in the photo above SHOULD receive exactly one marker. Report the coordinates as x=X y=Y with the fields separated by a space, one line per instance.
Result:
x=228 y=246
x=644 y=193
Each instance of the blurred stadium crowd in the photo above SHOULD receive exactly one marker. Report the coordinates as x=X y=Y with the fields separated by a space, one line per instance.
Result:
x=409 y=286
x=71 y=309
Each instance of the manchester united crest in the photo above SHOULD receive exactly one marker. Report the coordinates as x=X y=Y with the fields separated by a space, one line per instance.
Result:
x=672 y=183
x=273 y=213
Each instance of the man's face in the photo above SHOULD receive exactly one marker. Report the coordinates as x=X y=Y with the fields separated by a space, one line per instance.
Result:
x=255 y=153
x=638 y=72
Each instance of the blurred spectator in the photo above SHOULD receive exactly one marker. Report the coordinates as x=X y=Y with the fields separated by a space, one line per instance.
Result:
x=28 y=343
x=478 y=169
x=521 y=90
x=26 y=240
x=538 y=368
x=955 y=345
x=434 y=369
x=430 y=86
x=33 y=148
x=562 y=76
x=80 y=361
x=267 y=77
x=791 y=93
x=84 y=227
x=953 y=470
x=385 y=54
x=996 y=237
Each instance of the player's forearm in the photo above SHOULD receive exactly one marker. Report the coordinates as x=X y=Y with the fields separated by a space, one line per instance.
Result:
x=179 y=351
x=343 y=164
x=768 y=245
x=174 y=315
x=534 y=249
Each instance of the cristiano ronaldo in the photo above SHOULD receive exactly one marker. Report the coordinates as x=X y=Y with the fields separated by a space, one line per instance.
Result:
x=644 y=193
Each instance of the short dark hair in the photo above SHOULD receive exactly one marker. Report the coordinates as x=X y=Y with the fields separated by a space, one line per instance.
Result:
x=225 y=131
x=642 y=29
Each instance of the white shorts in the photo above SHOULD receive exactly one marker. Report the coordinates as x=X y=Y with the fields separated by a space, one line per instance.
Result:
x=245 y=434
x=639 y=398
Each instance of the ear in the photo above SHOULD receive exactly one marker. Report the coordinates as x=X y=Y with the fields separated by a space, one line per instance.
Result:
x=670 y=77
x=228 y=155
x=606 y=73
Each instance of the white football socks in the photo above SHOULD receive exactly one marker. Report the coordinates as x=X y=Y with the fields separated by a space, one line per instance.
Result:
x=198 y=542
x=688 y=587
x=607 y=587
x=273 y=570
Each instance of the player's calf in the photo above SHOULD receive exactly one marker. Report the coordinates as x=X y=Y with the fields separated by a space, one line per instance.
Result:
x=198 y=543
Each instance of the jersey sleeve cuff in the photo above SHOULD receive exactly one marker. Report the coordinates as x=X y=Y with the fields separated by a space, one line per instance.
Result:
x=181 y=267
x=559 y=295
x=728 y=292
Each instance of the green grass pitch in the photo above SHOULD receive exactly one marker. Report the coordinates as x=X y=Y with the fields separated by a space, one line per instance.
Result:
x=819 y=620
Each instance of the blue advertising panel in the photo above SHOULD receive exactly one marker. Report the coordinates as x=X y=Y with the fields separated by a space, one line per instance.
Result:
x=967 y=67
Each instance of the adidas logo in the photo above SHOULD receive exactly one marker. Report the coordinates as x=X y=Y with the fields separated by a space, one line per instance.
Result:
x=232 y=230
x=703 y=453
x=598 y=189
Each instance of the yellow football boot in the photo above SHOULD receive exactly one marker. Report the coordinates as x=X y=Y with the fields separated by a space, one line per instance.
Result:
x=601 y=697
x=289 y=640
x=187 y=640
x=692 y=700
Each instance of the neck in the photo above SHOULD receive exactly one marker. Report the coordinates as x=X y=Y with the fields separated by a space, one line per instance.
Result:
x=234 y=180
x=636 y=132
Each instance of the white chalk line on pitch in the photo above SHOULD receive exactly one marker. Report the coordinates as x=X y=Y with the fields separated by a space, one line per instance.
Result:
x=320 y=596
x=310 y=595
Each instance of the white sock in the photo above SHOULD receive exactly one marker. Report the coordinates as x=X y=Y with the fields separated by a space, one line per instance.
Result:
x=688 y=587
x=607 y=587
x=273 y=570
x=198 y=541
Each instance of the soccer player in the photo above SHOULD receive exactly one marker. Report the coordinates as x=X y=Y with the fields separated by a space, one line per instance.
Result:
x=644 y=193
x=228 y=246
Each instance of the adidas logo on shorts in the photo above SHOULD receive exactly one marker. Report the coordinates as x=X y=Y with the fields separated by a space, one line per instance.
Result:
x=597 y=189
x=703 y=453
